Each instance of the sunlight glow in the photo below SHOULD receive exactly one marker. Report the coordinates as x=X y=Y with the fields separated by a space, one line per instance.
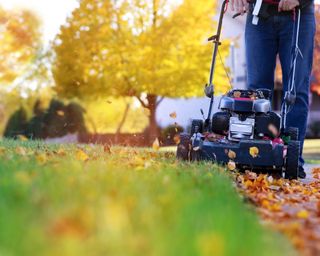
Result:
x=52 y=13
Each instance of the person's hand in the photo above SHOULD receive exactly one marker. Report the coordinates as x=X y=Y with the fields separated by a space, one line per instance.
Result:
x=287 y=5
x=239 y=6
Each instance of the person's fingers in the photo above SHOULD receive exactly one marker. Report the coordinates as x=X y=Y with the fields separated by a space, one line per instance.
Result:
x=246 y=6
x=280 y=6
x=232 y=5
x=237 y=7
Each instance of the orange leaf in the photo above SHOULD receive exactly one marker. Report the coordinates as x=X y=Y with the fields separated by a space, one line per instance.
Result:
x=173 y=115
x=232 y=154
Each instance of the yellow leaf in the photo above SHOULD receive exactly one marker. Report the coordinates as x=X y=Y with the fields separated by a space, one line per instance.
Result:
x=22 y=138
x=232 y=154
x=254 y=152
x=173 y=115
x=303 y=214
x=231 y=165
x=81 y=155
x=61 y=152
x=156 y=144
x=41 y=158
x=21 y=151
x=60 y=113
x=2 y=150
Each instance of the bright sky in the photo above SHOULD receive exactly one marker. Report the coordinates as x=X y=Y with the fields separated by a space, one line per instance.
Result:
x=53 y=13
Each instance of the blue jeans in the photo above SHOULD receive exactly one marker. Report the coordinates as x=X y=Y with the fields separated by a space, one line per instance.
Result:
x=274 y=36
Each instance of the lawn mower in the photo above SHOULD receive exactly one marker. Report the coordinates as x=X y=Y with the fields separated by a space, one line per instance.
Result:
x=246 y=134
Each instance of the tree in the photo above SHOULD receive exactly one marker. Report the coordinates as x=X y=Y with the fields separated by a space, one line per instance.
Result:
x=139 y=48
x=20 y=40
x=316 y=60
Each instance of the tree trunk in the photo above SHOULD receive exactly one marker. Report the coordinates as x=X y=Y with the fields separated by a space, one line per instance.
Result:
x=124 y=118
x=153 y=131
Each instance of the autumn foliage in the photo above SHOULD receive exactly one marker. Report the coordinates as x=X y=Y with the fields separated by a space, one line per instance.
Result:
x=142 y=49
x=19 y=40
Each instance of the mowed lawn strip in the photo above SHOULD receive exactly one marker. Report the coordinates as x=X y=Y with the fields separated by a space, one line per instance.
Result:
x=90 y=200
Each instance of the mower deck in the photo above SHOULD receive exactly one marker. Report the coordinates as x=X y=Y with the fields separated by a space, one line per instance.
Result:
x=268 y=156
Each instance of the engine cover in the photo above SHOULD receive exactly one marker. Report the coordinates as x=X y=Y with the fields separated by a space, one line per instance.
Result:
x=241 y=129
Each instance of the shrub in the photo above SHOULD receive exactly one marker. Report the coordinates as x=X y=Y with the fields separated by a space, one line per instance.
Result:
x=16 y=124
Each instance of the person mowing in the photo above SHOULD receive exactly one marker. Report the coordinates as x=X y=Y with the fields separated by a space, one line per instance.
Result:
x=270 y=32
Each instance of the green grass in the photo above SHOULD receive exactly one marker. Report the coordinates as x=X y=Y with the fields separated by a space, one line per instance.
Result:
x=311 y=151
x=128 y=202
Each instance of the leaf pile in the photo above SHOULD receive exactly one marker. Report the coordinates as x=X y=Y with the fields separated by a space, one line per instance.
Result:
x=292 y=207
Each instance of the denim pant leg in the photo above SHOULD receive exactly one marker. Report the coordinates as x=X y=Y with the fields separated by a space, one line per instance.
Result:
x=298 y=116
x=261 y=51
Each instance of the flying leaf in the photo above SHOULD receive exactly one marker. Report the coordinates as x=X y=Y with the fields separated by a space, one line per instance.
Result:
x=173 y=115
x=60 y=113
x=232 y=154
x=176 y=139
x=274 y=130
x=254 y=152
x=156 y=144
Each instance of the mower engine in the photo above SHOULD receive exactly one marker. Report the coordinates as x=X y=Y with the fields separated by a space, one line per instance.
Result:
x=246 y=114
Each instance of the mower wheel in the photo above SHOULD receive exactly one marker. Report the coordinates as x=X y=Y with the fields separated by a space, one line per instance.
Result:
x=196 y=126
x=293 y=133
x=184 y=146
x=292 y=161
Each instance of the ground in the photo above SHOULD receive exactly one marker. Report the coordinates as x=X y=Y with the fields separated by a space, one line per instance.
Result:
x=94 y=200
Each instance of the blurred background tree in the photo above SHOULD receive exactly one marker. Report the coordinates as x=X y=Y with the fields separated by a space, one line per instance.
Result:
x=316 y=60
x=19 y=40
x=138 y=48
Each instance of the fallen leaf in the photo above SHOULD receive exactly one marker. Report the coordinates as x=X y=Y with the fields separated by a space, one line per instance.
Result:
x=156 y=144
x=81 y=155
x=231 y=165
x=2 y=150
x=303 y=214
x=22 y=137
x=237 y=94
x=21 y=151
x=41 y=158
x=254 y=152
